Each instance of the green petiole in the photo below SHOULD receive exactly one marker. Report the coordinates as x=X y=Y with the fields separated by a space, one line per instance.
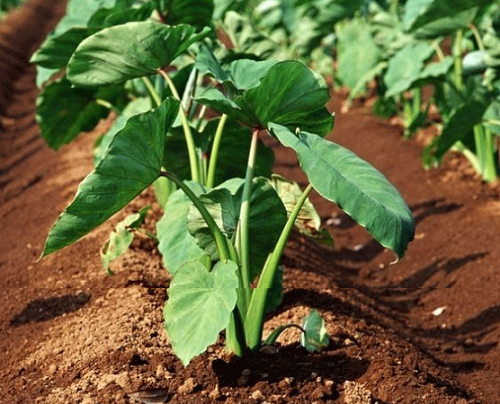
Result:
x=255 y=316
x=154 y=95
x=193 y=158
x=243 y=224
x=215 y=151
x=487 y=153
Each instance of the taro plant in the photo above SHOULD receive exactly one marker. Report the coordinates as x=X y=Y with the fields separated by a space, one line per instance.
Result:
x=222 y=233
x=467 y=95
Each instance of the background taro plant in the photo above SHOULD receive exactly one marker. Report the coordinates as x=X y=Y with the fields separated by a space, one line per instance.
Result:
x=450 y=47
x=226 y=220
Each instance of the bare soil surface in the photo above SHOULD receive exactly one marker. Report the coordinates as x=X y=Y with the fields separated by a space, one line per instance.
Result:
x=423 y=330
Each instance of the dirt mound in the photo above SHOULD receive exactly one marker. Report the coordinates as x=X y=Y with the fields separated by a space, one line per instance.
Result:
x=424 y=330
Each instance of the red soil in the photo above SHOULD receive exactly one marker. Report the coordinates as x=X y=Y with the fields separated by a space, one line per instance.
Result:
x=70 y=334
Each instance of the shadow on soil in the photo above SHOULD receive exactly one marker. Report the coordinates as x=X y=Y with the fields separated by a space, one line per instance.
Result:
x=432 y=207
x=47 y=309
x=422 y=276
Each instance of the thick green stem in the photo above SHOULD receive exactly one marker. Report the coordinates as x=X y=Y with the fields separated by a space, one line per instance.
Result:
x=235 y=334
x=220 y=240
x=254 y=320
x=154 y=95
x=215 y=151
x=193 y=157
x=457 y=54
x=243 y=224
x=487 y=152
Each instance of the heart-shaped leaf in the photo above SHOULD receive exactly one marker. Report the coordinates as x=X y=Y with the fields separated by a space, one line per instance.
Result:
x=132 y=162
x=199 y=306
x=61 y=122
x=176 y=244
x=289 y=94
x=124 y=52
x=358 y=188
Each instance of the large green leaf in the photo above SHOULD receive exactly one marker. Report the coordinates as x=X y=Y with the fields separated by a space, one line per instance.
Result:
x=83 y=19
x=132 y=162
x=267 y=219
x=128 y=51
x=63 y=112
x=197 y=13
x=176 y=244
x=137 y=106
x=358 y=53
x=56 y=51
x=440 y=17
x=353 y=184
x=199 y=306
x=406 y=66
x=289 y=94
